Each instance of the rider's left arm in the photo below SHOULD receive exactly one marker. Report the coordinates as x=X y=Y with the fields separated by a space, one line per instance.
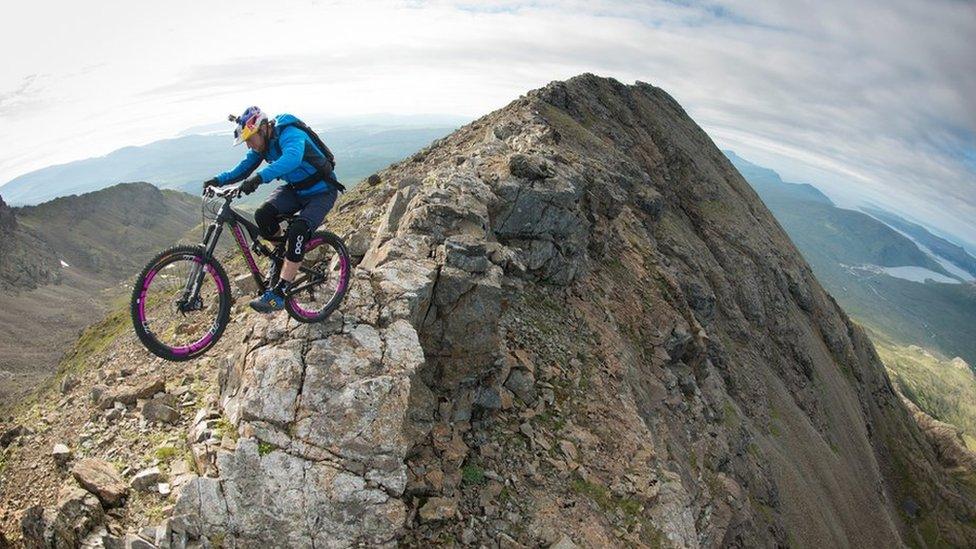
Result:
x=250 y=163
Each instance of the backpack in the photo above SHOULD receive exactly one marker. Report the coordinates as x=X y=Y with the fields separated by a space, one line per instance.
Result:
x=325 y=172
x=314 y=137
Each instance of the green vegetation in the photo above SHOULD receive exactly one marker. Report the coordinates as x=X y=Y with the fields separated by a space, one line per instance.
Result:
x=472 y=474
x=629 y=509
x=225 y=427
x=568 y=127
x=166 y=453
x=217 y=540
x=607 y=501
x=265 y=448
x=95 y=339
x=944 y=389
x=729 y=417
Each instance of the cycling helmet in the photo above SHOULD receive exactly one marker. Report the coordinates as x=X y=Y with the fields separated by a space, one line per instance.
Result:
x=247 y=123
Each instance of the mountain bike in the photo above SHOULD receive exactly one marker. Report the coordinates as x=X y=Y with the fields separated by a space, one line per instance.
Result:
x=182 y=299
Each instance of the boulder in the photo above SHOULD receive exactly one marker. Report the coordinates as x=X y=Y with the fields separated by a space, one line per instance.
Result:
x=68 y=382
x=438 y=508
x=245 y=284
x=127 y=394
x=146 y=479
x=102 y=479
x=61 y=454
x=531 y=167
x=564 y=542
x=522 y=383
x=132 y=541
x=162 y=410
x=11 y=434
x=76 y=514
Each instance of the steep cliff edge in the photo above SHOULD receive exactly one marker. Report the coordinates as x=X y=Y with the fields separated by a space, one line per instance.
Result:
x=572 y=321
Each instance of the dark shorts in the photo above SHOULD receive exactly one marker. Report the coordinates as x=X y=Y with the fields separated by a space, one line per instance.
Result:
x=310 y=208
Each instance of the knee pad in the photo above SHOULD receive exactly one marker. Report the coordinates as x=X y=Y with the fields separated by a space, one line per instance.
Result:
x=295 y=237
x=266 y=218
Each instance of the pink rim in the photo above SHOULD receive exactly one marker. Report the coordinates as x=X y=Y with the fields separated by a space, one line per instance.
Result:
x=196 y=345
x=343 y=280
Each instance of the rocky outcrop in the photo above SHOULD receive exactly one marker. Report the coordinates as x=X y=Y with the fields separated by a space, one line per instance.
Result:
x=573 y=321
x=945 y=439
x=75 y=520
x=25 y=263
x=8 y=221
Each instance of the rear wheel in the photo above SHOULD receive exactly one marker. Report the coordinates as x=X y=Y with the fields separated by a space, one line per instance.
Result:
x=322 y=281
x=168 y=324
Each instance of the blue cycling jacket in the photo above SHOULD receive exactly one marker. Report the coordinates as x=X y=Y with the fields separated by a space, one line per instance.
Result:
x=286 y=150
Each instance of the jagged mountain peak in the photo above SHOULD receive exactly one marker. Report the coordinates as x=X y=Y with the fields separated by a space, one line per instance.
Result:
x=571 y=320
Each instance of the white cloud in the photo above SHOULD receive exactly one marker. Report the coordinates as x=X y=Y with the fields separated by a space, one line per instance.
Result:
x=869 y=100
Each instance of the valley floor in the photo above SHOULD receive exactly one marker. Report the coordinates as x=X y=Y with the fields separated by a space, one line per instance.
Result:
x=39 y=325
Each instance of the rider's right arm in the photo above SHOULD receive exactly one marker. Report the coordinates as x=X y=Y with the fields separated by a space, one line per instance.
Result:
x=244 y=169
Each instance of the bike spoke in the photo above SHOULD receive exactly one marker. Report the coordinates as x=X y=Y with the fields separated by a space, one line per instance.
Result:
x=167 y=315
x=319 y=284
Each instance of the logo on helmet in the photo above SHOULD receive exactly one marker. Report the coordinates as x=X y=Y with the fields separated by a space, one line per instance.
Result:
x=247 y=123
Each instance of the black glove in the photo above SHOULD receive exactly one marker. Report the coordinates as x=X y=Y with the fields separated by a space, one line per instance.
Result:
x=212 y=182
x=250 y=184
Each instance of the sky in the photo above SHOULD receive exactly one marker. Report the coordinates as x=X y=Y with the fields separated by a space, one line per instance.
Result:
x=869 y=101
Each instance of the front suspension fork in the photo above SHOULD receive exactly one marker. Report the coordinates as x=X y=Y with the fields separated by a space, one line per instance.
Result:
x=191 y=292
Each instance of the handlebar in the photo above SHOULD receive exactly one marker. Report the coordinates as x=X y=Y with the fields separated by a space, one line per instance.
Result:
x=226 y=191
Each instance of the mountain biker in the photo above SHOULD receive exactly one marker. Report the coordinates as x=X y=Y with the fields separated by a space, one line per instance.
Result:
x=310 y=188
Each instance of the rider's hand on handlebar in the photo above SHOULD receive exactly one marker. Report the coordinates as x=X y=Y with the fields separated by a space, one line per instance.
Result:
x=251 y=184
x=212 y=182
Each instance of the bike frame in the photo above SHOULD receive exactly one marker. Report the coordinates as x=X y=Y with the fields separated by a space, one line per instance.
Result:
x=228 y=216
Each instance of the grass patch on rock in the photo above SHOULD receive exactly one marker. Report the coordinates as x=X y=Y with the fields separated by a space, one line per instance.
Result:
x=472 y=474
x=224 y=427
x=166 y=453
x=265 y=448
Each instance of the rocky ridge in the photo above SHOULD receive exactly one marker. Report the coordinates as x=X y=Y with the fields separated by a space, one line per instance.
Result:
x=25 y=262
x=571 y=322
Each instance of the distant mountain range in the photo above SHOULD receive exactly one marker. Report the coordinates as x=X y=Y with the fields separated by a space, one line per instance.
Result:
x=184 y=162
x=63 y=263
x=879 y=275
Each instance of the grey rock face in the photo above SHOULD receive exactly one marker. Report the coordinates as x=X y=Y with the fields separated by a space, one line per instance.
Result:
x=530 y=167
x=352 y=427
x=322 y=414
x=522 y=383
x=76 y=514
x=312 y=503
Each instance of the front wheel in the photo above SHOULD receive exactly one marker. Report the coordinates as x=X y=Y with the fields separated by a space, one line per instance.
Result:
x=322 y=281
x=170 y=322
